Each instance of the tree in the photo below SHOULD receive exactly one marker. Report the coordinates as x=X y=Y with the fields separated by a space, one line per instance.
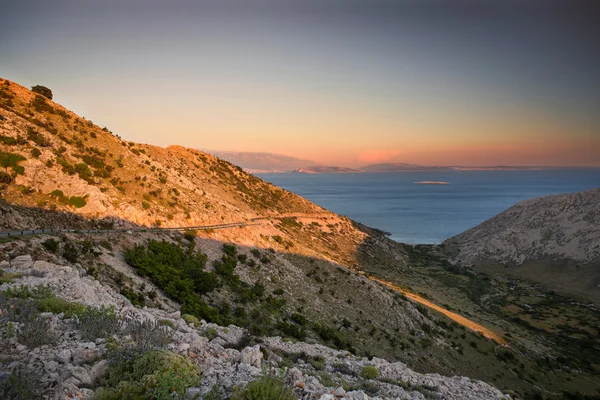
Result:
x=43 y=90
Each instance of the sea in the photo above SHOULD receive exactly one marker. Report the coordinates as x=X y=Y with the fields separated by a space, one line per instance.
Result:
x=428 y=214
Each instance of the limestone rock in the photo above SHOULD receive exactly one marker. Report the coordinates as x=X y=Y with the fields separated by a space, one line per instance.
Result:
x=22 y=262
x=252 y=356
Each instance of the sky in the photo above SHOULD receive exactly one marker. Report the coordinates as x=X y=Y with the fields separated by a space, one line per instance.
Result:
x=341 y=82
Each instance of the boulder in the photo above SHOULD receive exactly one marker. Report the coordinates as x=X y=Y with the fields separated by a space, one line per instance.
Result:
x=99 y=371
x=63 y=356
x=252 y=356
x=22 y=262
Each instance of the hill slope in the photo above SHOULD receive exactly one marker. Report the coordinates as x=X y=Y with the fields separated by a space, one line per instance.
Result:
x=553 y=239
x=70 y=164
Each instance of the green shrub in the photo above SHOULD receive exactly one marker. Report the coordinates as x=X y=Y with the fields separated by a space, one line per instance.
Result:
x=11 y=160
x=5 y=178
x=43 y=90
x=19 y=385
x=190 y=319
x=8 y=140
x=149 y=334
x=179 y=272
x=215 y=393
x=51 y=245
x=84 y=172
x=267 y=387
x=94 y=323
x=37 y=137
x=70 y=252
x=57 y=305
x=35 y=152
x=190 y=234
x=135 y=374
x=37 y=332
x=369 y=372
x=39 y=104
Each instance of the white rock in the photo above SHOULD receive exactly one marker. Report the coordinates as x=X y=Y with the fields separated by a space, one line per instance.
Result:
x=22 y=262
x=50 y=366
x=81 y=375
x=99 y=370
x=252 y=356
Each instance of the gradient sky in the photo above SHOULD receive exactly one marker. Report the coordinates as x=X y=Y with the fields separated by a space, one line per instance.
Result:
x=344 y=82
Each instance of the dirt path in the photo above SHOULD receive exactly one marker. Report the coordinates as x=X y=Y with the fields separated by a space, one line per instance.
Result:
x=453 y=316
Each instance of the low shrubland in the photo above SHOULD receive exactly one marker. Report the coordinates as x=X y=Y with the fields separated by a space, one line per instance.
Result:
x=136 y=373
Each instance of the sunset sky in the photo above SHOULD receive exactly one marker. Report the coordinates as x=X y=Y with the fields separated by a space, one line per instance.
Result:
x=341 y=82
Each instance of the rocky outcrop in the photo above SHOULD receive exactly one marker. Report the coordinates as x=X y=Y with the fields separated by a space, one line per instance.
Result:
x=74 y=367
x=562 y=227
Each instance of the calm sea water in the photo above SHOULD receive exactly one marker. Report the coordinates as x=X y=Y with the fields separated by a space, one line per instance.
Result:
x=430 y=213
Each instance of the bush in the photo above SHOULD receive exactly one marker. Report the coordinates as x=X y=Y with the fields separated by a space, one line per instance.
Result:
x=5 y=178
x=149 y=334
x=35 y=152
x=96 y=323
x=19 y=385
x=179 y=272
x=51 y=245
x=267 y=387
x=369 y=372
x=43 y=90
x=57 y=305
x=37 y=332
x=136 y=374
x=70 y=252
x=12 y=160
x=190 y=319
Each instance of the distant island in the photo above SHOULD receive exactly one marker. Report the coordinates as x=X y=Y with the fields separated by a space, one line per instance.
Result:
x=431 y=183
x=262 y=162
x=322 y=169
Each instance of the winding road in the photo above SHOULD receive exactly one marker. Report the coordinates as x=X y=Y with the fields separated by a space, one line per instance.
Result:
x=26 y=232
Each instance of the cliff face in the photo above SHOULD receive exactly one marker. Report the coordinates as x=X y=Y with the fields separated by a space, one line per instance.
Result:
x=562 y=227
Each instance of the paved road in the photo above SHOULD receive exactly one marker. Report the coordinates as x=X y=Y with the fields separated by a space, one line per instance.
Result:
x=26 y=232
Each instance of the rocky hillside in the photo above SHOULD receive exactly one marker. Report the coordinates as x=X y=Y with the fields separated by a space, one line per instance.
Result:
x=564 y=227
x=67 y=333
x=55 y=160
x=554 y=240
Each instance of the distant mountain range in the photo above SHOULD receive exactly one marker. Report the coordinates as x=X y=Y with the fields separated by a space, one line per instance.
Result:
x=258 y=162
x=323 y=169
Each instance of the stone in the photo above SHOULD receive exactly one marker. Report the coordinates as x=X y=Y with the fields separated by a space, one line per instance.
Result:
x=63 y=356
x=327 y=396
x=357 y=395
x=82 y=376
x=340 y=392
x=22 y=262
x=99 y=371
x=83 y=356
x=51 y=366
x=252 y=356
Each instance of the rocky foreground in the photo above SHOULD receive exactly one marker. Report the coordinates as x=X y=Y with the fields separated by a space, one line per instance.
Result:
x=75 y=350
